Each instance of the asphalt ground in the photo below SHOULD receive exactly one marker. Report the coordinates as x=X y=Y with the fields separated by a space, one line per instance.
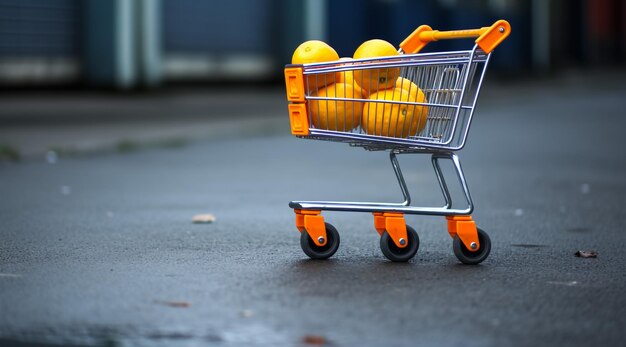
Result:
x=99 y=250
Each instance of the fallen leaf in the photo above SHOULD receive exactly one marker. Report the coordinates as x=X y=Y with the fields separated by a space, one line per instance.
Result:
x=586 y=254
x=181 y=304
x=203 y=218
x=315 y=340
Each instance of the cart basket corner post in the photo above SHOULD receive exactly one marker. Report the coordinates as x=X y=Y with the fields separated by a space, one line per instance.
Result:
x=413 y=102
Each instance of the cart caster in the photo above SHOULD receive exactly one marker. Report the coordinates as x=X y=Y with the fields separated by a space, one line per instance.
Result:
x=320 y=252
x=397 y=254
x=472 y=258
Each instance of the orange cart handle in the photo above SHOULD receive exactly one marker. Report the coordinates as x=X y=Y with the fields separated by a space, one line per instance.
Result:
x=488 y=38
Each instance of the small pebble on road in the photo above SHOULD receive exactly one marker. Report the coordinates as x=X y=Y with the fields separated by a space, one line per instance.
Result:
x=203 y=218
x=180 y=304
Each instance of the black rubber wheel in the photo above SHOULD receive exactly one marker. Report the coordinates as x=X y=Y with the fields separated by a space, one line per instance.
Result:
x=472 y=258
x=397 y=254
x=324 y=252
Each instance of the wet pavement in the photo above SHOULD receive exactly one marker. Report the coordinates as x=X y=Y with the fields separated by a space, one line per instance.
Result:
x=100 y=249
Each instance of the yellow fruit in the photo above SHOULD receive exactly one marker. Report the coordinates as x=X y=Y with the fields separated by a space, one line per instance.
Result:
x=393 y=120
x=373 y=80
x=315 y=51
x=333 y=114
x=415 y=95
x=348 y=77
x=409 y=86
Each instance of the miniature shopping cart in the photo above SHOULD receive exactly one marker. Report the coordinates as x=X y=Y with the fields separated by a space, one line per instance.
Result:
x=432 y=115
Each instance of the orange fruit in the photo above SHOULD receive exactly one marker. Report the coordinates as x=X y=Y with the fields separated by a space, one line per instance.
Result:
x=348 y=77
x=373 y=80
x=412 y=88
x=415 y=95
x=315 y=51
x=393 y=120
x=333 y=114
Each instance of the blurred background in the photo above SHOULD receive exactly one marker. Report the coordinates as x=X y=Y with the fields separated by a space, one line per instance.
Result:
x=124 y=44
x=89 y=75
